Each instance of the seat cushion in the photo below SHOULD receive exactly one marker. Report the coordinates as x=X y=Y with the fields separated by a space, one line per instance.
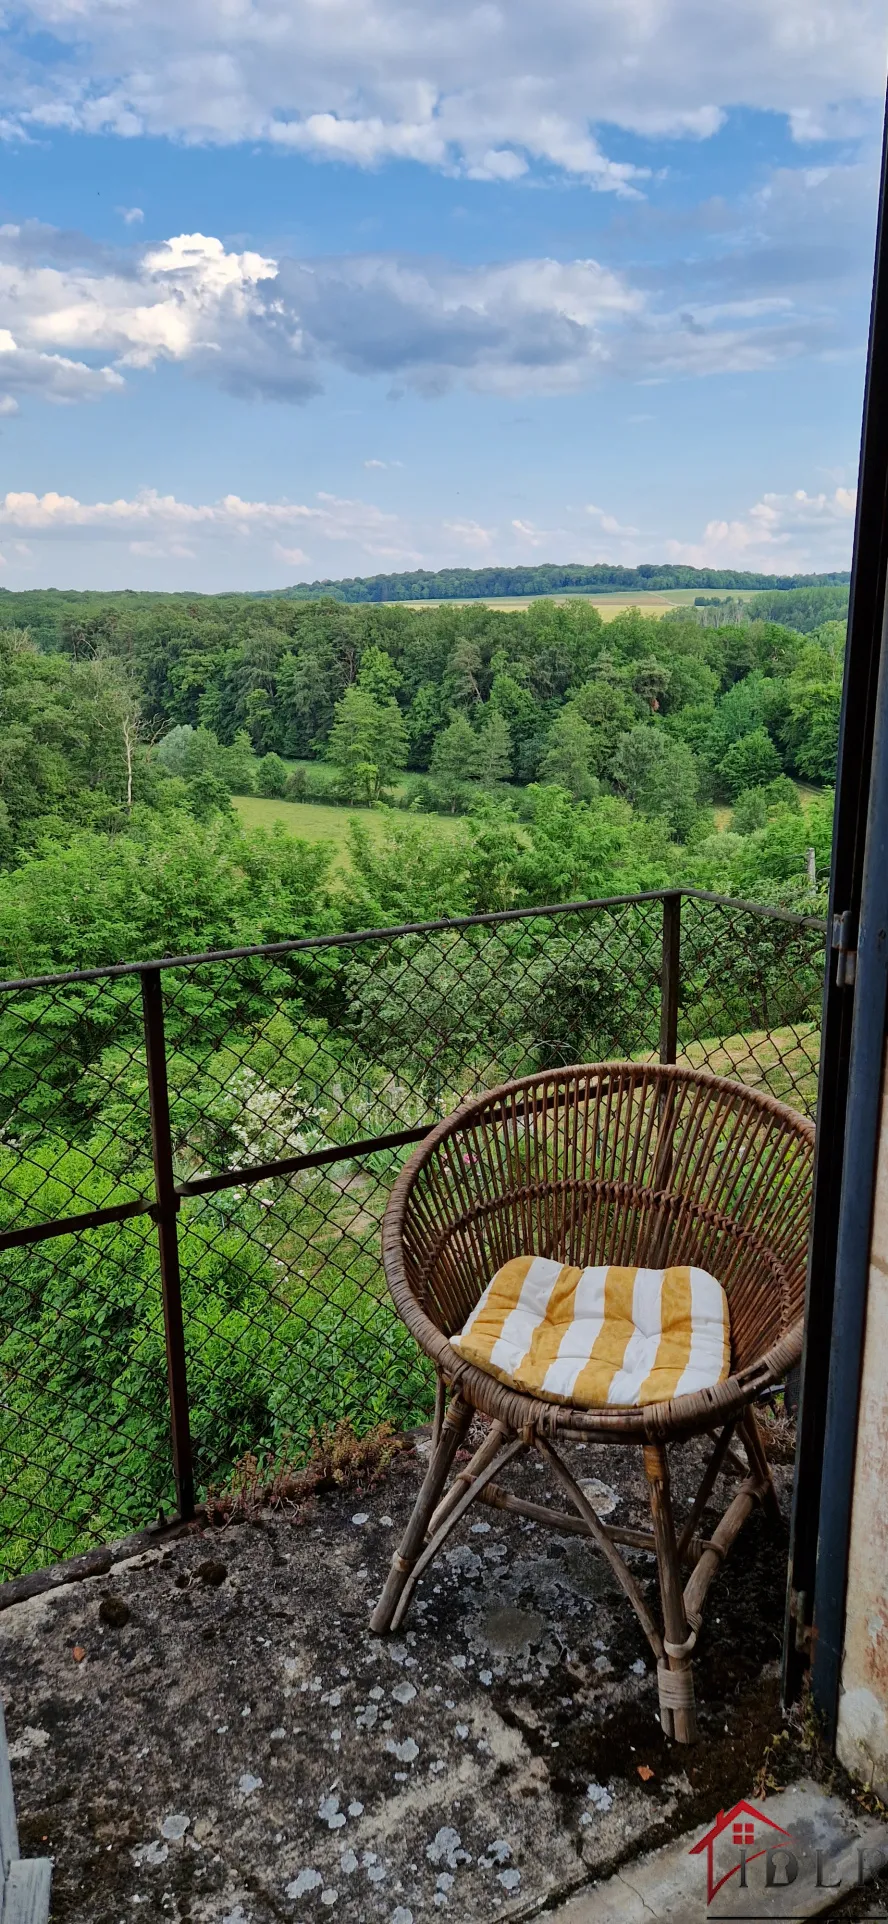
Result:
x=600 y=1335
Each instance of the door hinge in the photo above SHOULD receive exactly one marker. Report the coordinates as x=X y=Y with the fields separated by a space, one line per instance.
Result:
x=844 y=941
x=798 y=1601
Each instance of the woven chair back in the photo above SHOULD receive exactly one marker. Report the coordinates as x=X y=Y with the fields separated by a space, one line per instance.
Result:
x=618 y=1163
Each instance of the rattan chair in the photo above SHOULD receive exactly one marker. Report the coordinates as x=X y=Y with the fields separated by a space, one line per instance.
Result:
x=621 y=1163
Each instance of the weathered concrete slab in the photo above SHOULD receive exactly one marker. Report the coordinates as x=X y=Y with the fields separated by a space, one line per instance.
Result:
x=26 y=1894
x=671 y=1884
x=208 y=1732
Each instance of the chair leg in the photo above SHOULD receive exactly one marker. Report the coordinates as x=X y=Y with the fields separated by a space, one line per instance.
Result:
x=440 y=1407
x=674 y=1675
x=758 y=1463
x=453 y=1430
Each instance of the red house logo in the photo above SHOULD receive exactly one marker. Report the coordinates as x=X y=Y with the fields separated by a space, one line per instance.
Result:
x=743 y=1829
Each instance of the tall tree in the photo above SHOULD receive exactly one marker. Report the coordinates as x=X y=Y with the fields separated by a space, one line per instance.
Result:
x=568 y=760
x=367 y=743
x=493 y=749
x=453 y=761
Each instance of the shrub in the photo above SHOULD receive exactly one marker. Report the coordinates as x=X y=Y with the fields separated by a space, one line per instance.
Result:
x=272 y=777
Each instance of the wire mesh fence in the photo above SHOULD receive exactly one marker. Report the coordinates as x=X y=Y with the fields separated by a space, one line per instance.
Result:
x=195 y=1158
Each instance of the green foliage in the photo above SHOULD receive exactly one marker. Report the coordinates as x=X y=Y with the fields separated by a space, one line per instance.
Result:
x=811 y=731
x=569 y=756
x=120 y=747
x=659 y=776
x=271 y=776
x=367 y=744
x=493 y=749
x=453 y=761
x=546 y=579
x=749 y=763
x=803 y=608
x=750 y=811
x=171 y=886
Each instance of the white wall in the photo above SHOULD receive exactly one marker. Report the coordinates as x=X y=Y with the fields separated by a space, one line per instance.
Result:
x=862 y=1740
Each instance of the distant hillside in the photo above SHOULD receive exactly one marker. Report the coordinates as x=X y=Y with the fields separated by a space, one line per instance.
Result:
x=455 y=584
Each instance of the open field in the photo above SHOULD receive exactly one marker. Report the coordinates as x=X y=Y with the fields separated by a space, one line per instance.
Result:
x=318 y=822
x=652 y=601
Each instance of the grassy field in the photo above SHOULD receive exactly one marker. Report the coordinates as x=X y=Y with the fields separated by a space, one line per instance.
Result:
x=651 y=601
x=316 y=822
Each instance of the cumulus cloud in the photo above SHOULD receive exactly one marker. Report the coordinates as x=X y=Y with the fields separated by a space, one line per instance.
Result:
x=476 y=85
x=781 y=533
x=75 y=317
x=157 y=539
x=157 y=525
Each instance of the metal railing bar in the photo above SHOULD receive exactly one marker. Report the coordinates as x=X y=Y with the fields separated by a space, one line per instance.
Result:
x=348 y=939
x=752 y=908
x=72 y=1225
x=291 y=1165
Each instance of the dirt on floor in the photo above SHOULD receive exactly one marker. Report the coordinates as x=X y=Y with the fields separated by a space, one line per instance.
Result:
x=209 y=1732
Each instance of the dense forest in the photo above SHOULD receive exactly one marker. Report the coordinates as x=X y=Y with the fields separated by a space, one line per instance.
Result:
x=584 y=756
x=448 y=584
x=565 y=757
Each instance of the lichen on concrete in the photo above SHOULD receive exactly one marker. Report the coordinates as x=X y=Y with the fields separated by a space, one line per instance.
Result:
x=232 y=1746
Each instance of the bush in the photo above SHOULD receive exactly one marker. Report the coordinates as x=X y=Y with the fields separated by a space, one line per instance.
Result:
x=272 y=777
x=750 y=811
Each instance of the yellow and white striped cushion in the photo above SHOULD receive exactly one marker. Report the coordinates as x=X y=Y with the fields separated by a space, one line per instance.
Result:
x=604 y=1335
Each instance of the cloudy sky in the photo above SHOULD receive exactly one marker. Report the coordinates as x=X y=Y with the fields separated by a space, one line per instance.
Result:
x=305 y=288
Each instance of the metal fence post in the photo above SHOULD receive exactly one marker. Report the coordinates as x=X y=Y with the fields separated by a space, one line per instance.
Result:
x=165 y=1210
x=669 y=976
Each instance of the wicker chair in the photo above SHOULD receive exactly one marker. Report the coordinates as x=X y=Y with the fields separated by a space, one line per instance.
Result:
x=619 y=1163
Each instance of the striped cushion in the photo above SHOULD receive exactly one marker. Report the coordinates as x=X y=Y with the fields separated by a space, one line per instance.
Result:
x=606 y=1335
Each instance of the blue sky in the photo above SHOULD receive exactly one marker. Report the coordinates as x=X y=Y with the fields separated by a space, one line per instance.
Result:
x=305 y=288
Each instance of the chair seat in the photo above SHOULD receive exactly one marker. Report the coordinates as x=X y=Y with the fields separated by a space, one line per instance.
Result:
x=599 y=1335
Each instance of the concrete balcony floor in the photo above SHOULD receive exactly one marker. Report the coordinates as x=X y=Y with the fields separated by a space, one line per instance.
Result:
x=239 y=1749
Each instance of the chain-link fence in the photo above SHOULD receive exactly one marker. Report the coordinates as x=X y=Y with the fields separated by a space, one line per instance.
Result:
x=196 y=1154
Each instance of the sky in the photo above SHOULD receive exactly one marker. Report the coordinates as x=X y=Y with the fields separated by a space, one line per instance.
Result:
x=301 y=289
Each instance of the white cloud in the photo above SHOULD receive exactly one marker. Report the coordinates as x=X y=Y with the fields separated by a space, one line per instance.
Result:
x=781 y=533
x=152 y=523
x=75 y=317
x=476 y=85
x=131 y=216
x=608 y=523
x=157 y=540
x=472 y=536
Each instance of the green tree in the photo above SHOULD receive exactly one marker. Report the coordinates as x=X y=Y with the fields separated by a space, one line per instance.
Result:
x=814 y=689
x=750 y=762
x=658 y=775
x=750 y=811
x=453 y=761
x=609 y=711
x=379 y=675
x=367 y=744
x=237 y=765
x=172 y=749
x=568 y=760
x=493 y=749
